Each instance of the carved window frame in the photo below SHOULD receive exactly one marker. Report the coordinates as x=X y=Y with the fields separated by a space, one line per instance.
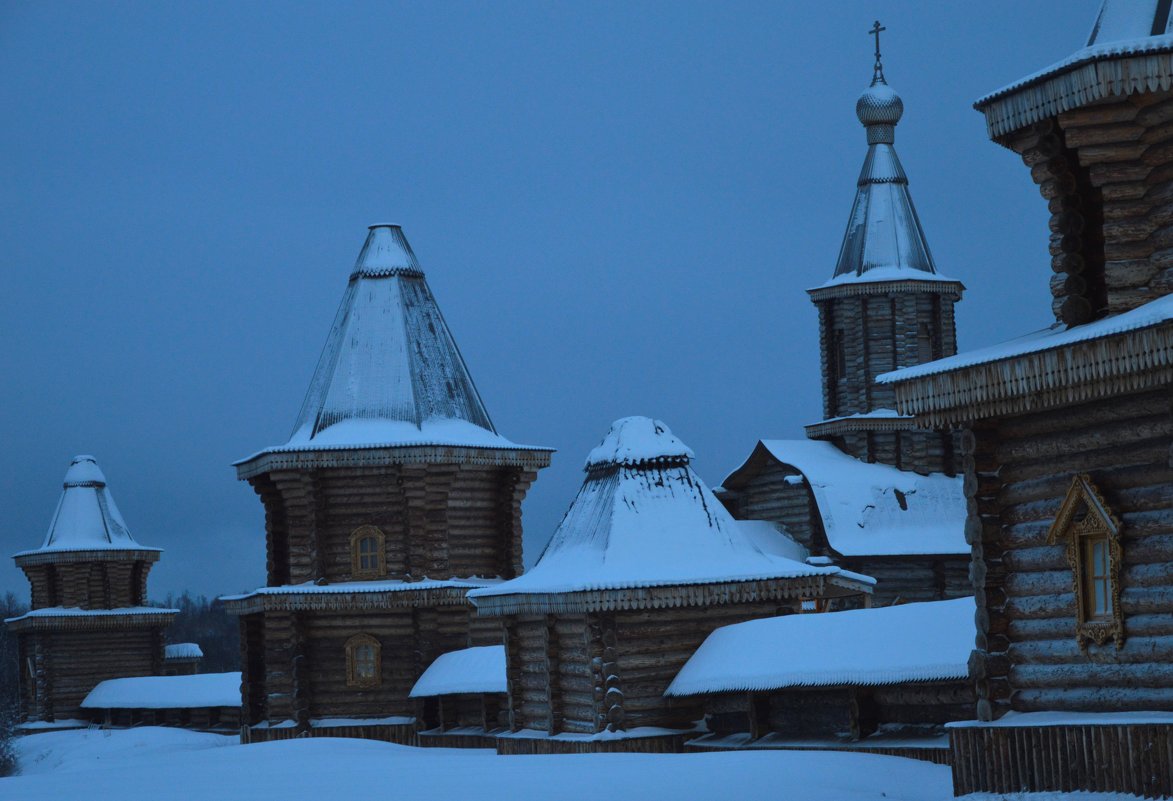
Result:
x=1099 y=523
x=353 y=678
x=356 y=568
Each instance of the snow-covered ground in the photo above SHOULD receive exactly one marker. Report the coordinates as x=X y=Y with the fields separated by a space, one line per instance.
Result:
x=151 y=764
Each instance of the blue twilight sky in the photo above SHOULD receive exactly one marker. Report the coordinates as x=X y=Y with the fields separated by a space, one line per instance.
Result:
x=618 y=207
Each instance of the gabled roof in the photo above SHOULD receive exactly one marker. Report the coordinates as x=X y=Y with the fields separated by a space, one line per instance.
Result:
x=869 y=509
x=469 y=670
x=644 y=519
x=884 y=240
x=390 y=374
x=913 y=642
x=86 y=518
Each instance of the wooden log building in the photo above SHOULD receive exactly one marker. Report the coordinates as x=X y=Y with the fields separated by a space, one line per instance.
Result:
x=883 y=680
x=88 y=620
x=643 y=566
x=886 y=306
x=392 y=498
x=1067 y=435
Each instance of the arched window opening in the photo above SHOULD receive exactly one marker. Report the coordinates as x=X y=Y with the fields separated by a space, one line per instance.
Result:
x=363 y=661
x=367 y=553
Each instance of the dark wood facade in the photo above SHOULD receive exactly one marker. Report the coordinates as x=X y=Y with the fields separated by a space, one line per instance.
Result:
x=870 y=328
x=1067 y=453
x=436 y=517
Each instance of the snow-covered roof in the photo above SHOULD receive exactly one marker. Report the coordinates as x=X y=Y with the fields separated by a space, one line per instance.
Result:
x=86 y=517
x=884 y=240
x=875 y=509
x=470 y=670
x=647 y=523
x=1123 y=29
x=351 y=587
x=390 y=374
x=74 y=611
x=914 y=642
x=183 y=650
x=1153 y=313
x=166 y=692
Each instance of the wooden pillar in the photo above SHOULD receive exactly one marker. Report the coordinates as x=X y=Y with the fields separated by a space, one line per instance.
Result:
x=315 y=503
x=553 y=682
x=300 y=671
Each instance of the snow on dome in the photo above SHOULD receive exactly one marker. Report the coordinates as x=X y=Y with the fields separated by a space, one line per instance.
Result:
x=879 y=105
x=166 y=692
x=390 y=374
x=928 y=641
x=86 y=517
x=470 y=670
x=634 y=440
x=84 y=471
x=651 y=522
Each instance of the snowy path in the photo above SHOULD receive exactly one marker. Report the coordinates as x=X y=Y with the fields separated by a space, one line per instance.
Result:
x=153 y=764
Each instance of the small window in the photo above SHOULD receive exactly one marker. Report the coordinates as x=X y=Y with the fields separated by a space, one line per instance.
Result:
x=367 y=553
x=363 y=661
x=1091 y=533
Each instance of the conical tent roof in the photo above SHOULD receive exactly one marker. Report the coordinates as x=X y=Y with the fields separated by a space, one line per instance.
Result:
x=884 y=240
x=1121 y=20
x=390 y=373
x=86 y=517
x=644 y=518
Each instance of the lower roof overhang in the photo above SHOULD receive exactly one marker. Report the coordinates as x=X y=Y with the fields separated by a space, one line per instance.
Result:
x=845 y=425
x=847 y=289
x=66 y=557
x=828 y=585
x=97 y=620
x=273 y=599
x=526 y=458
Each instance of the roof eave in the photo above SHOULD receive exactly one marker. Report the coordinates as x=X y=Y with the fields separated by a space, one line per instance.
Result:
x=523 y=456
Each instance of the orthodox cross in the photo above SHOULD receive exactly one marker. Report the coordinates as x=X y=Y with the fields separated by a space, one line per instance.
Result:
x=878 y=71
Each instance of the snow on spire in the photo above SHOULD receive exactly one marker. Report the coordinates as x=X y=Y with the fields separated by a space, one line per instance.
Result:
x=884 y=240
x=87 y=517
x=391 y=373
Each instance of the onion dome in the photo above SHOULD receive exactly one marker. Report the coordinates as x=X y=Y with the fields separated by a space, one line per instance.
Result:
x=879 y=108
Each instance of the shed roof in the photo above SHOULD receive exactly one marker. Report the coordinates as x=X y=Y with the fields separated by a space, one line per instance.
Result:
x=166 y=692
x=870 y=509
x=183 y=650
x=469 y=670
x=643 y=518
x=914 y=642
x=390 y=373
x=86 y=518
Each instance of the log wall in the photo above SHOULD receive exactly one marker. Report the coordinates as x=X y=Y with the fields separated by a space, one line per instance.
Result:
x=582 y=674
x=862 y=336
x=66 y=665
x=88 y=585
x=438 y=520
x=1106 y=172
x=1135 y=759
x=909 y=579
x=295 y=662
x=1018 y=472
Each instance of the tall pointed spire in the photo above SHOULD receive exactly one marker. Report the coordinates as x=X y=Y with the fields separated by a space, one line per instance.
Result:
x=390 y=374
x=884 y=239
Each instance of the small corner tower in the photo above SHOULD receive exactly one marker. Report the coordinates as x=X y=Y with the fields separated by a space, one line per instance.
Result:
x=88 y=620
x=393 y=496
x=885 y=307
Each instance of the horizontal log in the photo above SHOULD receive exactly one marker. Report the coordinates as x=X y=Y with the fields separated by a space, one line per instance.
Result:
x=1127 y=676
